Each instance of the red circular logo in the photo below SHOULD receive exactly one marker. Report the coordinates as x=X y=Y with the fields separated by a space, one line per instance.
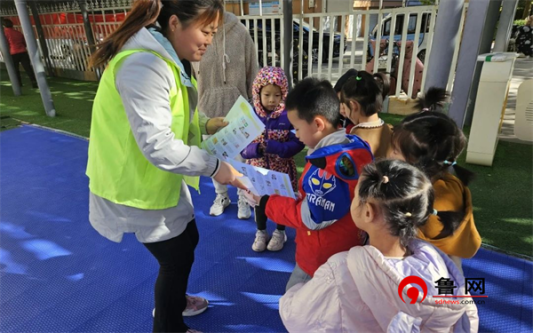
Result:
x=413 y=292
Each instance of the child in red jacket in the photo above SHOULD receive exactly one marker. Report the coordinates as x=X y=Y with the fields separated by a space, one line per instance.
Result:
x=321 y=215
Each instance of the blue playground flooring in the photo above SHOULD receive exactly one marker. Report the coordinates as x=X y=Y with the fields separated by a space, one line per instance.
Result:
x=58 y=275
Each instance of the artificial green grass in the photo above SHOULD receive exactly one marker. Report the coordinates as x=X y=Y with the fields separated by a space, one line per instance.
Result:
x=502 y=198
x=73 y=101
x=7 y=123
x=502 y=194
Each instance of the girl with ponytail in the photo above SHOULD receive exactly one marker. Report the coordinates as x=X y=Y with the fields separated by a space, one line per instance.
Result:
x=144 y=149
x=363 y=95
x=431 y=141
x=364 y=289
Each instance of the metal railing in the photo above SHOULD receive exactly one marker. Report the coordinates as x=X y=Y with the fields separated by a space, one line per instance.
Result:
x=320 y=48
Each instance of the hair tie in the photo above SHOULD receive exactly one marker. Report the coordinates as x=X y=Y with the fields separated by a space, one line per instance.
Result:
x=435 y=212
x=408 y=214
x=358 y=78
x=425 y=109
x=447 y=162
x=385 y=179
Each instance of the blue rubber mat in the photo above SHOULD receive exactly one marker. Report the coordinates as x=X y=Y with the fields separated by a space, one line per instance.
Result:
x=58 y=275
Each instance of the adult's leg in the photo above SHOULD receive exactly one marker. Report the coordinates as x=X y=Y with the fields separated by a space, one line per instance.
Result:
x=175 y=257
x=26 y=64
x=16 y=62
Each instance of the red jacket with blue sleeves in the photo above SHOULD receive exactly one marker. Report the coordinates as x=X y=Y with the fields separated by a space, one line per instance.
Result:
x=321 y=215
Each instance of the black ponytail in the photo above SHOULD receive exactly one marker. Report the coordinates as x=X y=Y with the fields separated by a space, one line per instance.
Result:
x=451 y=220
x=404 y=194
x=382 y=79
x=464 y=174
x=434 y=99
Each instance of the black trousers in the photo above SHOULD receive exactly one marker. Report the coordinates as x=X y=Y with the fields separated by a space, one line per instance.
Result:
x=263 y=226
x=175 y=257
x=24 y=59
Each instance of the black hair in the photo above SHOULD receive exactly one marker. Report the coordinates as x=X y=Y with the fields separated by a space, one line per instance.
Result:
x=363 y=89
x=382 y=80
x=312 y=97
x=431 y=141
x=7 y=23
x=403 y=194
x=341 y=81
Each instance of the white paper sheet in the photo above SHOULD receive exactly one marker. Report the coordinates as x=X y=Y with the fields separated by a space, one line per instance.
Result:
x=243 y=127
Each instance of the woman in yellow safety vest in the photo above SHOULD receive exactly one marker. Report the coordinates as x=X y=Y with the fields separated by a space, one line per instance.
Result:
x=143 y=148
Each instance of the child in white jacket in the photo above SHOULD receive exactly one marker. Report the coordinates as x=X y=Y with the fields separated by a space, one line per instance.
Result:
x=360 y=290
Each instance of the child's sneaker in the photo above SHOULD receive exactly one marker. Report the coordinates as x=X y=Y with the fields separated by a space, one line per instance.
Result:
x=243 y=209
x=195 y=306
x=220 y=203
x=260 y=243
x=277 y=241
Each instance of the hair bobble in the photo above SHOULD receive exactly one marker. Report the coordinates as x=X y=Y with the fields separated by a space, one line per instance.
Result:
x=385 y=179
x=408 y=214
x=447 y=162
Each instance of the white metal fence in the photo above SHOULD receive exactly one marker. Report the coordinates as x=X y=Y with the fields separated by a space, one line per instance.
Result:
x=322 y=46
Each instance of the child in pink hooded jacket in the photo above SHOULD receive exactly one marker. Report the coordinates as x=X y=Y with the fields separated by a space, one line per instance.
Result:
x=275 y=148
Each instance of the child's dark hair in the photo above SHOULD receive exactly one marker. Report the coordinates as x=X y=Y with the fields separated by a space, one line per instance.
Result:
x=363 y=89
x=402 y=192
x=343 y=79
x=312 y=97
x=382 y=80
x=430 y=139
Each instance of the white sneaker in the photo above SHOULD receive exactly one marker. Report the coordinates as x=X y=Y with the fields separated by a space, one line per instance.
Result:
x=260 y=243
x=220 y=203
x=277 y=241
x=243 y=209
